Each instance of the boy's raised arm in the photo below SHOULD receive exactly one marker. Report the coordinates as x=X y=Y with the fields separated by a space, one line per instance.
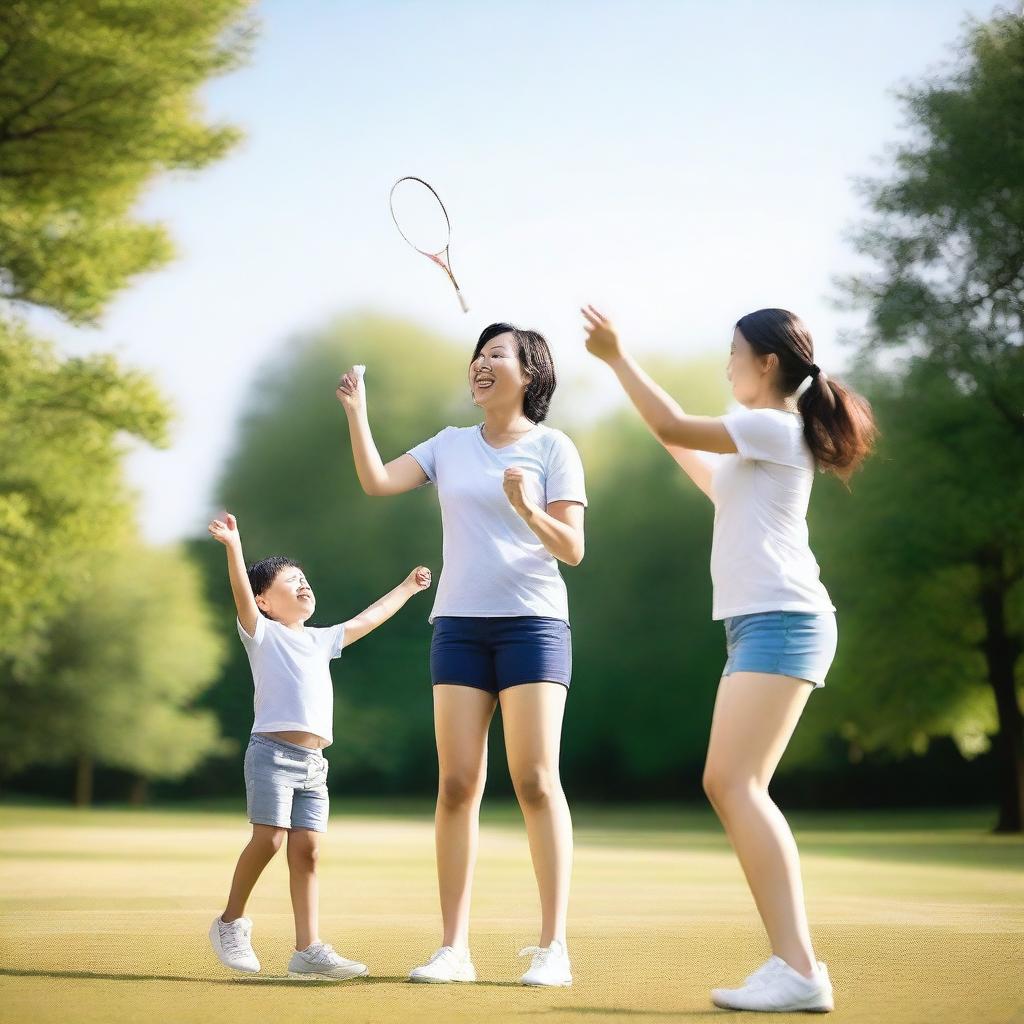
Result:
x=382 y=609
x=226 y=531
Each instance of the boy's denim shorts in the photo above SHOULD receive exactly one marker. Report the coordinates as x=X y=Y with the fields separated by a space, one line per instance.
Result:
x=798 y=644
x=285 y=784
x=494 y=652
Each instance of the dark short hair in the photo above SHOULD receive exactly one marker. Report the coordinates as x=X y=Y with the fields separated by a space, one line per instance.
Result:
x=263 y=573
x=535 y=359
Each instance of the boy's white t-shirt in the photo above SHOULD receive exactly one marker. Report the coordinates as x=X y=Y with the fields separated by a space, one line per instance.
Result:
x=760 y=557
x=493 y=563
x=292 y=677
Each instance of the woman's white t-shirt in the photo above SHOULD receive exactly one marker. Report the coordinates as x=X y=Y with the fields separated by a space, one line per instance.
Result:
x=291 y=676
x=493 y=563
x=760 y=557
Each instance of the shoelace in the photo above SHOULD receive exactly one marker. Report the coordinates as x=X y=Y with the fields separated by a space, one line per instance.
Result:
x=232 y=936
x=765 y=978
x=444 y=953
x=324 y=954
x=541 y=954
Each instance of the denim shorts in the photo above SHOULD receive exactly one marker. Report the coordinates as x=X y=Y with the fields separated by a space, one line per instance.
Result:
x=798 y=644
x=493 y=653
x=285 y=784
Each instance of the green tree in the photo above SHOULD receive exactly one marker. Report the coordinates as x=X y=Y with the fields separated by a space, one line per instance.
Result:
x=124 y=663
x=945 y=303
x=64 y=424
x=95 y=99
x=899 y=557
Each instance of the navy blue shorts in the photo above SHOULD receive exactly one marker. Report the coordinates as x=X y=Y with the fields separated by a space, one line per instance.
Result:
x=493 y=653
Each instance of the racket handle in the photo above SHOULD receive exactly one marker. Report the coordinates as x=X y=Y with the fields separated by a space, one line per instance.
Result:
x=462 y=301
x=359 y=370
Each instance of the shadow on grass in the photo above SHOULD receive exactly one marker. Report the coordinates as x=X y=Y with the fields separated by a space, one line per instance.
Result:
x=256 y=980
x=619 y=1011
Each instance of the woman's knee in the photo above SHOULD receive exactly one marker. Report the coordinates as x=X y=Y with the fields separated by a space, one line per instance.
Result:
x=725 y=788
x=536 y=786
x=457 y=790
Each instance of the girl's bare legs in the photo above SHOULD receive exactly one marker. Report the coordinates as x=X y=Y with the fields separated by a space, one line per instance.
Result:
x=461 y=717
x=532 y=718
x=303 y=854
x=265 y=842
x=754 y=717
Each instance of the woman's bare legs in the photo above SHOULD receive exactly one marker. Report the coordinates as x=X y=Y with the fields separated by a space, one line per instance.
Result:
x=754 y=717
x=461 y=717
x=531 y=714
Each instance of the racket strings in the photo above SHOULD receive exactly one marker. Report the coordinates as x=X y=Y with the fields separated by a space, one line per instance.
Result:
x=424 y=224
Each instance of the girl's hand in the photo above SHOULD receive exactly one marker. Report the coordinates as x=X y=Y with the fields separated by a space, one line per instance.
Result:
x=419 y=579
x=602 y=341
x=225 y=530
x=351 y=391
x=514 y=484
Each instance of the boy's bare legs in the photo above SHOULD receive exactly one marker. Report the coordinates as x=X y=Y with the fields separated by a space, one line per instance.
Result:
x=532 y=718
x=754 y=717
x=303 y=853
x=461 y=717
x=265 y=842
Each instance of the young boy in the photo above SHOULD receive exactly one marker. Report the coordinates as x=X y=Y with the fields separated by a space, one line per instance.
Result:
x=285 y=769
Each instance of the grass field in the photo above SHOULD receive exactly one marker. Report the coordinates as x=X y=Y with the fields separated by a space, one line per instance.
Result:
x=103 y=917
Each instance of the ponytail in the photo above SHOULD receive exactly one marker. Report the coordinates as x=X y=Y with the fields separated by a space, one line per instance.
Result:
x=838 y=423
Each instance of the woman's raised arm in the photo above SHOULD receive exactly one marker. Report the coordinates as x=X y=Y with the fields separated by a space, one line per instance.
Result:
x=375 y=478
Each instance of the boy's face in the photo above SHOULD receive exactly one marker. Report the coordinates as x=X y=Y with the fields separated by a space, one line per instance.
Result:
x=289 y=598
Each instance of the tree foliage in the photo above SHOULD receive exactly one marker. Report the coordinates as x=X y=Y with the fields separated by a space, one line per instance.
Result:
x=96 y=99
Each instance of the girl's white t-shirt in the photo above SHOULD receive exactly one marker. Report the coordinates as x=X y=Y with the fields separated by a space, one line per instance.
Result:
x=493 y=563
x=292 y=677
x=761 y=560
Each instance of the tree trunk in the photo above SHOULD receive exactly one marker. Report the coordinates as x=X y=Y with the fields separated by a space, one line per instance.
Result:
x=1001 y=653
x=83 y=781
x=139 y=791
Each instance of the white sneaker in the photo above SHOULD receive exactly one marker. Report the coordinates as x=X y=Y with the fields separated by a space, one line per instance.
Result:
x=447 y=964
x=233 y=944
x=319 y=961
x=550 y=966
x=769 y=965
x=776 y=987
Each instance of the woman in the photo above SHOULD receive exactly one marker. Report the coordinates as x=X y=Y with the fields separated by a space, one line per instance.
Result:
x=512 y=498
x=779 y=621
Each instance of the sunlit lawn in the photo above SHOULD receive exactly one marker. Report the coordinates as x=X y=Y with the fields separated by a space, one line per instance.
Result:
x=103 y=917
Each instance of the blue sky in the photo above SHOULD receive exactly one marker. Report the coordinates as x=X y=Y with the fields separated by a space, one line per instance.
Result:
x=675 y=163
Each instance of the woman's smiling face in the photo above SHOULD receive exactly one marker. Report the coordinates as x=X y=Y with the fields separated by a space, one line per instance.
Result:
x=495 y=375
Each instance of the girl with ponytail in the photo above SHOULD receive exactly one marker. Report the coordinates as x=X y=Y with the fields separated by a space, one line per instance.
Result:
x=780 y=625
